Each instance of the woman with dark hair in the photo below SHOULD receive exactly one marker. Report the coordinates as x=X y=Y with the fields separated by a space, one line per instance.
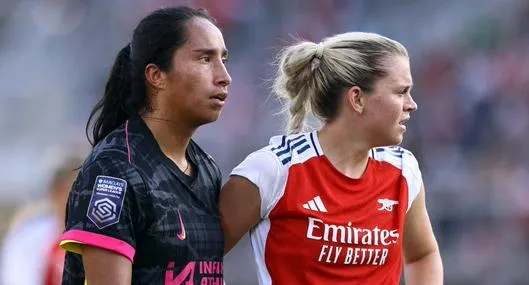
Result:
x=143 y=209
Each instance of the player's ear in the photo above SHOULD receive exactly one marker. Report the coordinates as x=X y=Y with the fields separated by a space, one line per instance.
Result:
x=354 y=99
x=155 y=77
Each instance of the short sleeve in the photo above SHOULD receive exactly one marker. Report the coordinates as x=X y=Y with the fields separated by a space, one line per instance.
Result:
x=412 y=173
x=102 y=209
x=263 y=169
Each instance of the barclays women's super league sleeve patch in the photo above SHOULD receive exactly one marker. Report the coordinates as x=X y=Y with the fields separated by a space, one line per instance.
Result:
x=106 y=202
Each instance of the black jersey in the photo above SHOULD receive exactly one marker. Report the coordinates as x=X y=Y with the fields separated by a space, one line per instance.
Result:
x=131 y=199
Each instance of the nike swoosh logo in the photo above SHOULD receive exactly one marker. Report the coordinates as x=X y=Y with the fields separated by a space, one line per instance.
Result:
x=182 y=234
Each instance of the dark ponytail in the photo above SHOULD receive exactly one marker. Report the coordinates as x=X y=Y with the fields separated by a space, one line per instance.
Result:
x=111 y=108
x=155 y=39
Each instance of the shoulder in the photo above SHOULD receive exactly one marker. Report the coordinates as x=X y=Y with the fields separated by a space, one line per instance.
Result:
x=200 y=156
x=199 y=153
x=114 y=146
x=281 y=153
x=109 y=159
x=269 y=165
x=397 y=156
x=261 y=163
x=406 y=162
x=108 y=166
x=293 y=149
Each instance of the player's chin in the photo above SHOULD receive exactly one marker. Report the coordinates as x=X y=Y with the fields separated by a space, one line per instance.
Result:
x=211 y=116
x=398 y=140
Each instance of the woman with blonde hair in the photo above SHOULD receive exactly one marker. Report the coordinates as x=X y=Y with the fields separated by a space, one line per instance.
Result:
x=343 y=204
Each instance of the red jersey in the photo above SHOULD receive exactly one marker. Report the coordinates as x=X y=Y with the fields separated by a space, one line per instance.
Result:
x=319 y=226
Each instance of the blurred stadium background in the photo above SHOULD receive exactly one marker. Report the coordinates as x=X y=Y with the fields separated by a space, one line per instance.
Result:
x=470 y=62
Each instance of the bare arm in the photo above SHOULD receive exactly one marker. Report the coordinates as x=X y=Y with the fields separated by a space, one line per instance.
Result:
x=104 y=267
x=422 y=260
x=240 y=206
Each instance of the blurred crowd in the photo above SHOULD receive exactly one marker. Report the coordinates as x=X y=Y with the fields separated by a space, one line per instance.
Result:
x=470 y=61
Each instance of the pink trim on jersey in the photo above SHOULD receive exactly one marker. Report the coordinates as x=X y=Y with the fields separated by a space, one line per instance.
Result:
x=101 y=241
x=127 y=139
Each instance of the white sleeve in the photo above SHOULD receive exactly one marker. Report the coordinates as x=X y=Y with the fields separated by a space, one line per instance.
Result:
x=412 y=173
x=263 y=169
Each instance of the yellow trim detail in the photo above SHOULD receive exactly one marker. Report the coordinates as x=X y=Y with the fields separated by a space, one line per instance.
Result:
x=72 y=246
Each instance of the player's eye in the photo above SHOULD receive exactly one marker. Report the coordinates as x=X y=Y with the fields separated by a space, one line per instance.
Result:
x=405 y=91
x=205 y=59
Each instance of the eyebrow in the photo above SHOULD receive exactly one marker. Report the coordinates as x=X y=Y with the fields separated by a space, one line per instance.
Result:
x=208 y=51
x=410 y=86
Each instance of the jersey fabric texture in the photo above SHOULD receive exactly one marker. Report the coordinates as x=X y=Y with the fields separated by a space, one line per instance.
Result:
x=319 y=226
x=131 y=199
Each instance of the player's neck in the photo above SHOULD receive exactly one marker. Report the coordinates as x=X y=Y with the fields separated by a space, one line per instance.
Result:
x=347 y=155
x=172 y=136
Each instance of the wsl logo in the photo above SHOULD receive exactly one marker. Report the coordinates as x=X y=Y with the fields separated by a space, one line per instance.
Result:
x=368 y=246
x=104 y=210
x=106 y=202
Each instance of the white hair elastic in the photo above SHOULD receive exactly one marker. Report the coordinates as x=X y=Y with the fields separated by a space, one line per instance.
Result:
x=319 y=50
x=317 y=57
